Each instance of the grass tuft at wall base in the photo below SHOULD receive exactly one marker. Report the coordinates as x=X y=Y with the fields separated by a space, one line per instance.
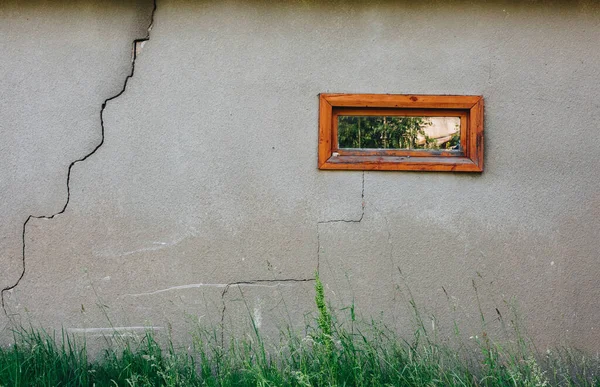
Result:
x=331 y=352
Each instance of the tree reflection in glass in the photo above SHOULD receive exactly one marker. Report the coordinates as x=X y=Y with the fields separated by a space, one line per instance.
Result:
x=398 y=132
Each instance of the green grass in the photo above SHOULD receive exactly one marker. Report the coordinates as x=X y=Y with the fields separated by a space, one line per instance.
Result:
x=330 y=353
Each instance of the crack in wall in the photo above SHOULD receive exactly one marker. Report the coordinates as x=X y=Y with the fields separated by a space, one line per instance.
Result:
x=277 y=281
x=362 y=215
x=362 y=197
x=137 y=44
x=250 y=283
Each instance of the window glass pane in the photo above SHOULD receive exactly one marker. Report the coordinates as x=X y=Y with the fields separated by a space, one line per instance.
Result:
x=398 y=132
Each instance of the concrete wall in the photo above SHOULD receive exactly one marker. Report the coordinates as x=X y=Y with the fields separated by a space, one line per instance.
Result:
x=204 y=202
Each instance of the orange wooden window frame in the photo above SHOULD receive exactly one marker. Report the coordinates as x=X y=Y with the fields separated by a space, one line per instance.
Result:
x=468 y=108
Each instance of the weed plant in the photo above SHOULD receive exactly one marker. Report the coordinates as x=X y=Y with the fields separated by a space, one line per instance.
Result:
x=332 y=352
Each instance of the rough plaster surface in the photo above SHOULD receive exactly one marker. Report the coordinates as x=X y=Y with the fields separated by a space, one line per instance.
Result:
x=205 y=204
x=60 y=61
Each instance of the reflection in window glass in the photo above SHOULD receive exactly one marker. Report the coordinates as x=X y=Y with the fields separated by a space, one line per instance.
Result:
x=398 y=132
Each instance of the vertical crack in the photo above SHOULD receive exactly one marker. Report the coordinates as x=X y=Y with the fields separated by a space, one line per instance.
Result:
x=137 y=44
x=362 y=198
x=362 y=215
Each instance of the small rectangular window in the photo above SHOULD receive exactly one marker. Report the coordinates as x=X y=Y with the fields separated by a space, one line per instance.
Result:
x=401 y=132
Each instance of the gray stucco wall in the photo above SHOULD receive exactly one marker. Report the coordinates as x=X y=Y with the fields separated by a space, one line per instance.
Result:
x=205 y=204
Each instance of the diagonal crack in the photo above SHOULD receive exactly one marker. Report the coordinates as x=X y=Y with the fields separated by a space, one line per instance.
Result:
x=136 y=47
x=251 y=282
